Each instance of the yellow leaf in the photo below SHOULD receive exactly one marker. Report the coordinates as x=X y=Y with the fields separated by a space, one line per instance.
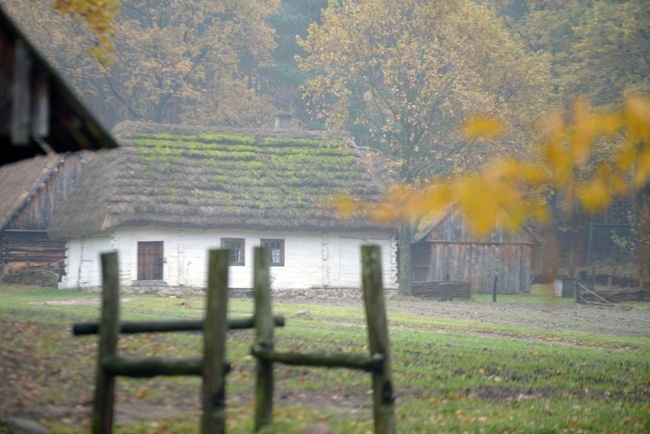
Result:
x=594 y=195
x=478 y=126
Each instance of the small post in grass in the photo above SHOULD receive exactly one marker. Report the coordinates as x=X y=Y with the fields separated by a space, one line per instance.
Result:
x=382 y=383
x=494 y=289
x=214 y=344
x=263 y=318
x=108 y=331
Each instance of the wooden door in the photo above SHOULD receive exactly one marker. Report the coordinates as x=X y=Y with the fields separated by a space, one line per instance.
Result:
x=150 y=260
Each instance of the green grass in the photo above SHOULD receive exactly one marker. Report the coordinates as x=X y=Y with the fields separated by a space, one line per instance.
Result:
x=449 y=375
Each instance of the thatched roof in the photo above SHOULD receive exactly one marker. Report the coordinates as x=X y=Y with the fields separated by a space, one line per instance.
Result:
x=208 y=177
x=39 y=113
x=19 y=182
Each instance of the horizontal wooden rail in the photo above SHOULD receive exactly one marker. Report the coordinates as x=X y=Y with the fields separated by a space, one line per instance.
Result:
x=154 y=366
x=374 y=363
x=128 y=327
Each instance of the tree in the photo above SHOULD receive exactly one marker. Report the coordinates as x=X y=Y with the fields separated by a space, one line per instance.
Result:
x=99 y=15
x=283 y=79
x=597 y=48
x=174 y=61
x=411 y=71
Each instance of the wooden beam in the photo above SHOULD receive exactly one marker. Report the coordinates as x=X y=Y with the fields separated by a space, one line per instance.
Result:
x=41 y=109
x=105 y=382
x=129 y=327
x=374 y=363
x=213 y=420
x=21 y=95
x=264 y=339
x=382 y=383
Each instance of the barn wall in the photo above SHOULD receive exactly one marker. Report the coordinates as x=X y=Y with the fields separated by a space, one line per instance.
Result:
x=311 y=259
x=479 y=263
x=37 y=213
x=455 y=228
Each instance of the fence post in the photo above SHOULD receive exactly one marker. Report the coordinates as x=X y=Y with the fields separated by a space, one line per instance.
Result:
x=108 y=330
x=494 y=289
x=214 y=344
x=382 y=384
x=264 y=338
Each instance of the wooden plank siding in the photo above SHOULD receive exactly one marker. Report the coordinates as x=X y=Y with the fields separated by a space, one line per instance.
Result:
x=476 y=264
x=451 y=252
x=36 y=212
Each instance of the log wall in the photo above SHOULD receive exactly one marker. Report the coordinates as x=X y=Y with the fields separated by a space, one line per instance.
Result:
x=35 y=248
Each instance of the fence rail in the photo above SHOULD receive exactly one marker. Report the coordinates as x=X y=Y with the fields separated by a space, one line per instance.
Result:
x=212 y=367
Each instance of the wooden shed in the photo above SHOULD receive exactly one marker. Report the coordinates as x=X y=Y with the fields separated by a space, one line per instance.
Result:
x=39 y=113
x=30 y=191
x=445 y=249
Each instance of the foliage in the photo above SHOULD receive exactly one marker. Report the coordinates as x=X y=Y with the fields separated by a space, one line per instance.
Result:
x=174 y=61
x=100 y=17
x=283 y=79
x=507 y=185
x=411 y=71
x=597 y=48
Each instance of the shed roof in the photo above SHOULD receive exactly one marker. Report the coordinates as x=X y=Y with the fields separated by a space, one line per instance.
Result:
x=450 y=225
x=38 y=111
x=210 y=177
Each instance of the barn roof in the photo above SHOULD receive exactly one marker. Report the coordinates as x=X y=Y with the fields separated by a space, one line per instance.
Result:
x=457 y=229
x=38 y=112
x=19 y=182
x=209 y=177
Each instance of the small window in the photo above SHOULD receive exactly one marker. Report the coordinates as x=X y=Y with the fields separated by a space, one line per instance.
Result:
x=236 y=246
x=277 y=251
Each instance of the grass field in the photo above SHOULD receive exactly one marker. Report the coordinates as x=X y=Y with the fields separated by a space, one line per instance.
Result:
x=452 y=373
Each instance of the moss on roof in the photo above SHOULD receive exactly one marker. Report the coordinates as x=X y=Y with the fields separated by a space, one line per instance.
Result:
x=176 y=176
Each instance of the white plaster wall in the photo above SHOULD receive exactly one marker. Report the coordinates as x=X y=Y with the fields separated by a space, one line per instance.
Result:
x=82 y=263
x=312 y=260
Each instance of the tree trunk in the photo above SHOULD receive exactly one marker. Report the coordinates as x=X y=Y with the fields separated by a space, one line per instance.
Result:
x=404 y=274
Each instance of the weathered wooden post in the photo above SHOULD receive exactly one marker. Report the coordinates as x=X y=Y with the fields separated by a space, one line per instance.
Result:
x=494 y=289
x=214 y=344
x=382 y=383
x=263 y=317
x=108 y=330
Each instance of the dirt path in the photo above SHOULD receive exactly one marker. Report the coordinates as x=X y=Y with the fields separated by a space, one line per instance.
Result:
x=614 y=321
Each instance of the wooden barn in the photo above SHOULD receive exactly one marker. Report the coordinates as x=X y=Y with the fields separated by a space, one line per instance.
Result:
x=39 y=114
x=444 y=249
x=30 y=191
x=172 y=192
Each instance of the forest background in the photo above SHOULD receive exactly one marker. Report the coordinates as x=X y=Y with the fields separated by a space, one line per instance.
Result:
x=400 y=76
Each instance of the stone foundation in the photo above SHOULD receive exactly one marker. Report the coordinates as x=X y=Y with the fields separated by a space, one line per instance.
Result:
x=307 y=294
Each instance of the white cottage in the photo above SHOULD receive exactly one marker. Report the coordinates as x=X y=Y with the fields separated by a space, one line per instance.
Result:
x=171 y=193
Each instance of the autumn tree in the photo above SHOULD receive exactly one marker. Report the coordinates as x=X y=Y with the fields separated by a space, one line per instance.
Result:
x=174 y=61
x=411 y=71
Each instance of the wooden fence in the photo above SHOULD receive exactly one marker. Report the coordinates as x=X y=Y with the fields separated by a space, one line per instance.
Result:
x=213 y=368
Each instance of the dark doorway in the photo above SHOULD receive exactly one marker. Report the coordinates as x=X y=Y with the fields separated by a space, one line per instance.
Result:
x=150 y=260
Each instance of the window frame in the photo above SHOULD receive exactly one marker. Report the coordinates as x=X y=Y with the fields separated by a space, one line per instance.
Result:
x=242 y=253
x=265 y=241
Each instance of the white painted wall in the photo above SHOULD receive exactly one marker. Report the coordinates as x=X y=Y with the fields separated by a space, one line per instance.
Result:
x=312 y=260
